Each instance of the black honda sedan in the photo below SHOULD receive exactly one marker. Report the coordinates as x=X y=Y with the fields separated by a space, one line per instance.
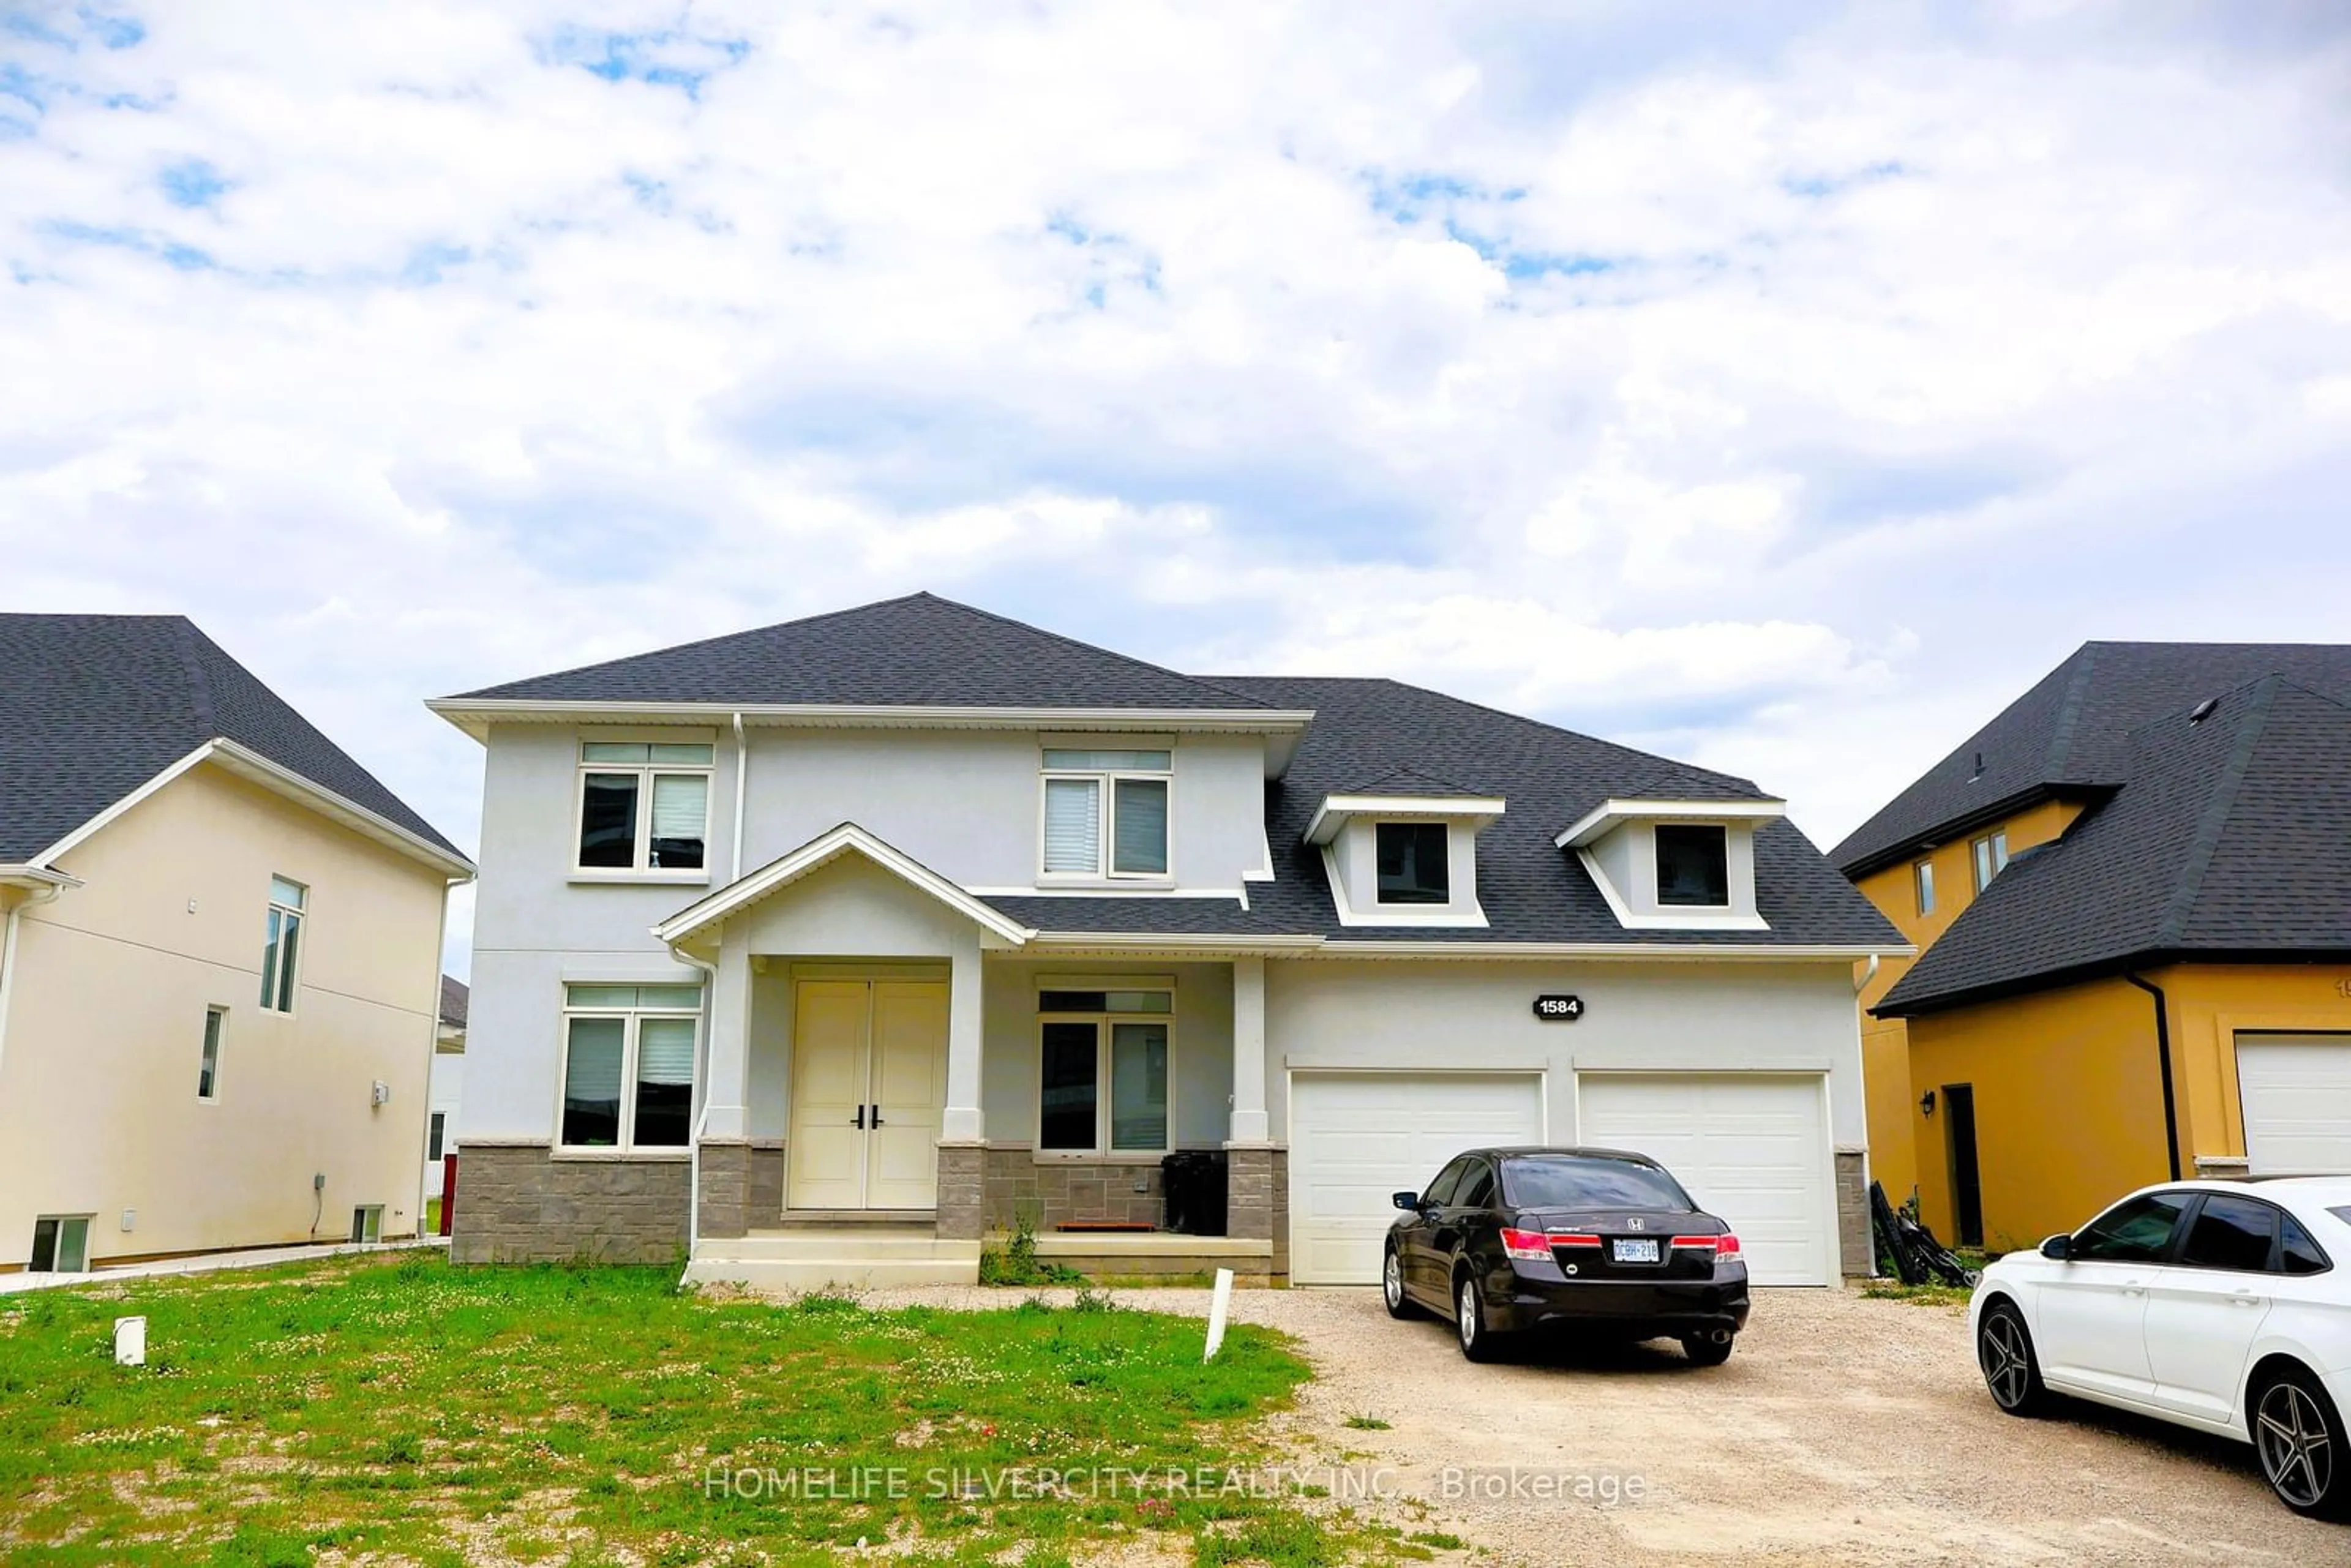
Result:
x=1596 y=1240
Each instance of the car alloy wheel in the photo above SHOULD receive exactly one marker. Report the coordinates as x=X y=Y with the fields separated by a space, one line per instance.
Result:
x=1477 y=1342
x=2296 y=1443
x=1392 y=1286
x=2004 y=1355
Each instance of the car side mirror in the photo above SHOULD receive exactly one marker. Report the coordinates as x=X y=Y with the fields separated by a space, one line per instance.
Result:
x=1408 y=1201
x=2057 y=1249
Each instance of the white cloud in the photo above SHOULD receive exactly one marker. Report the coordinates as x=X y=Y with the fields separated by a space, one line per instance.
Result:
x=1787 y=398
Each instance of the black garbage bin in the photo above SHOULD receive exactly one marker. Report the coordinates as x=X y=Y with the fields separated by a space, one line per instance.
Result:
x=1194 y=1180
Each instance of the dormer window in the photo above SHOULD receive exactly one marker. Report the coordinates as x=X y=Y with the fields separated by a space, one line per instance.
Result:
x=1413 y=864
x=1693 y=866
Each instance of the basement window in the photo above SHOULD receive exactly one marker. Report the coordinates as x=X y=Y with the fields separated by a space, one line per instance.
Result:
x=367 y=1222
x=60 y=1244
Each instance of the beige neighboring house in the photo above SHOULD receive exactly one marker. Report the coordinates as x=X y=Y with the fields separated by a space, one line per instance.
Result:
x=219 y=958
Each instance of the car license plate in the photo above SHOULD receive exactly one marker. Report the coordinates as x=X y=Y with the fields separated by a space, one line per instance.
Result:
x=1641 y=1250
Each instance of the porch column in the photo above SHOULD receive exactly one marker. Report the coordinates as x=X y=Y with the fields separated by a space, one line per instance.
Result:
x=963 y=1151
x=730 y=1035
x=1249 y=1118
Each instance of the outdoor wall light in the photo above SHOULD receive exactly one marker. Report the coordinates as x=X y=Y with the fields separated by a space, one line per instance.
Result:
x=1926 y=1103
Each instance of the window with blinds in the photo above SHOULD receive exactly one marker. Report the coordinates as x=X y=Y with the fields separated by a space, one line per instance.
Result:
x=628 y=1065
x=644 y=805
x=1105 y=812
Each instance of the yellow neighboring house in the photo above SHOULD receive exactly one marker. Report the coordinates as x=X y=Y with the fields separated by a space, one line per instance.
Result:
x=219 y=958
x=2132 y=896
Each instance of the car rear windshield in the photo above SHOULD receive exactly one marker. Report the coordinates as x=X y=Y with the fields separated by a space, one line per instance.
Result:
x=1565 y=1181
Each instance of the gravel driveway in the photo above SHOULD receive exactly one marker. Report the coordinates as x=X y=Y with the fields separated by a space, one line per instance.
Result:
x=1843 y=1430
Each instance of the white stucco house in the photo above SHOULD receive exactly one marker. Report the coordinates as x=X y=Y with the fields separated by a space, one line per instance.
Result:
x=220 y=937
x=825 y=951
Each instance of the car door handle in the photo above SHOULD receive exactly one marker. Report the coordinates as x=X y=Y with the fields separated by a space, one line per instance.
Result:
x=2244 y=1299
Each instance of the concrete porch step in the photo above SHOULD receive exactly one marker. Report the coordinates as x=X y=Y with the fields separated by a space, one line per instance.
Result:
x=853 y=1259
x=853 y=1218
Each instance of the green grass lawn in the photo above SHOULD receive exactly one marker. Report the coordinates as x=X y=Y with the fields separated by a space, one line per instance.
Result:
x=404 y=1411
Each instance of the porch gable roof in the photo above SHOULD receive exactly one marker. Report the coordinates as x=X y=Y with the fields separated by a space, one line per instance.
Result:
x=789 y=867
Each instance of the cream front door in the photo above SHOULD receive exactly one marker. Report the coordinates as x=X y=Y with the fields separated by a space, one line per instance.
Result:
x=869 y=1080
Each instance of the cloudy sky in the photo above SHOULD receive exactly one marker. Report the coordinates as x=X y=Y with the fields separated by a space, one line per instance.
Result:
x=1777 y=388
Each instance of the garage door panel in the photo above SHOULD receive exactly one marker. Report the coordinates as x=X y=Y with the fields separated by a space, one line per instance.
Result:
x=2295 y=1095
x=1749 y=1148
x=1356 y=1138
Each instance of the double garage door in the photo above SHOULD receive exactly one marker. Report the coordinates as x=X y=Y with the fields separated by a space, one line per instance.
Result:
x=1750 y=1148
x=2295 y=1093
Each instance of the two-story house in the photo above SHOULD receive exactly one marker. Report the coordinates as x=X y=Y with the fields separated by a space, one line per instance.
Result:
x=220 y=945
x=827 y=949
x=2131 y=892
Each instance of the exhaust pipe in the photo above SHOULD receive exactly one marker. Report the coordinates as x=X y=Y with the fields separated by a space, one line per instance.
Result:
x=1718 y=1336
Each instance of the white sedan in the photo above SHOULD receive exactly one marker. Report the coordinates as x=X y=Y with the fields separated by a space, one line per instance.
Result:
x=2221 y=1305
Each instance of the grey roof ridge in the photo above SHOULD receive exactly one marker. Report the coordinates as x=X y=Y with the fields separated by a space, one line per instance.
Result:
x=1089 y=647
x=2173 y=926
x=2069 y=715
x=200 y=689
x=1518 y=720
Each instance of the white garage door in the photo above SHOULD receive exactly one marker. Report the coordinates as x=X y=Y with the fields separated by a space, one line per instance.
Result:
x=1751 y=1148
x=2295 y=1091
x=1357 y=1137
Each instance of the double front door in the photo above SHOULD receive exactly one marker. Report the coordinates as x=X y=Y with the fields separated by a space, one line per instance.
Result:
x=869 y=1081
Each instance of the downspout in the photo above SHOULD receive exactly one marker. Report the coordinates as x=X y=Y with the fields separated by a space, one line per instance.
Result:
x=2163 y=1048
x=1867 y=974
x=8 y=957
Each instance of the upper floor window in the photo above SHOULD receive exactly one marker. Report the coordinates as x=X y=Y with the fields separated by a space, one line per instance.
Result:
x=1413 y=867
x=1693 y=864
x=643 y=805
x=1992 y=858
x=628 y=1065
x=279 y=952
x=1106 y=812
x=1925 y=875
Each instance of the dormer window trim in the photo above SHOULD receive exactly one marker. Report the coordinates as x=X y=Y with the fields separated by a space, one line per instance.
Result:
x=1736 y=818
x=1350 y=826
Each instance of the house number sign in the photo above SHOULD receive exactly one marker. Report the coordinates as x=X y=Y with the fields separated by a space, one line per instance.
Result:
x=1558 y=1009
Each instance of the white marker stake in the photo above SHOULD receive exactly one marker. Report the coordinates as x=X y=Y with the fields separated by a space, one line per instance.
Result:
x=1218 y=1306
x=131 y=1342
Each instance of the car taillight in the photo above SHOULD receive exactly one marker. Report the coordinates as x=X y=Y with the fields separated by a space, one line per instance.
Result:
x=1720 y=1246
x=1531 y=1245
x=1572 y=1239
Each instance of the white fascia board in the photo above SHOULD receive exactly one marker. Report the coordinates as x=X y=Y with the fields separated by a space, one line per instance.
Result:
x=1675 y=920
x=1723 y=952
x=820 y=851
x=251 y=766
x=1132 y=943
x=1336 y=810
x=1281 y=725
x=1610 y=814
x=34 y=876
x=1472 y=919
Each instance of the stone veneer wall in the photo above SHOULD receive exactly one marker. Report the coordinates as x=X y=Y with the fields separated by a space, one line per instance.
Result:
x=726 y=1188
x=767 y=1196
x=1856 y=1253
x=963 y=1184
x=1055 y=1191
x=516 y=1203
x=1249 y=1200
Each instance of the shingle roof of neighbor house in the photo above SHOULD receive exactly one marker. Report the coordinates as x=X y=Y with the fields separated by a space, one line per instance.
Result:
x=2068 y=732
x=455 y=996
x=919 y=651
x=1368 y=736
x=93 y=706
x=2226 y=836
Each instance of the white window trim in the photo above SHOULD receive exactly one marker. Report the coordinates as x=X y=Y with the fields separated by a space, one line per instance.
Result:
x=644 y=772
x=1453 y=916
x=1996 y=842
x=1657 y=869
x=625 y=1144
x=1922 y=886
x=1106 y=780
x=1102 y=1152
x=219 y=1040
x=89 y=1229
x=288 y=989
x=373 y=1221
x=1682 y=917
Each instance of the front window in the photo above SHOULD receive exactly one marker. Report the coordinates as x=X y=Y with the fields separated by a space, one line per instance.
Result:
x=1992 y=858
x=1106 y=812
x=208 y=1065
x=628 y=1065
x=2137 y=1231
x=280 y=949
x=1103 y=1071
x=1925 y=887
x=644 y=805
x=1693 y=864
x=1413 y=864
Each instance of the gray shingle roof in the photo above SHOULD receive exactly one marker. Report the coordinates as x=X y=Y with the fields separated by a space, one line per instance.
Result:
x=2228 y=837
x=2066 y=733
x=93 y=706
x=917 y=651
